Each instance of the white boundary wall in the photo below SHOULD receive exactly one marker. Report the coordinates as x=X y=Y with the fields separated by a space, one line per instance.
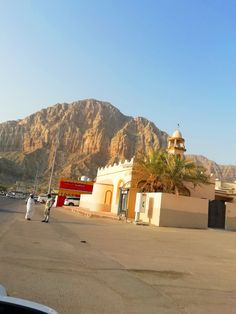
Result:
x=230 y=216
x=169 y=210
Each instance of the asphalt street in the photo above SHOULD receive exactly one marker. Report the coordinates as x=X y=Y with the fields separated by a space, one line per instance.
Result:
x=79 y=265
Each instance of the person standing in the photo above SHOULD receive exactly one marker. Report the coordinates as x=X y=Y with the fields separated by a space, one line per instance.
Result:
x=48 y=206
x=29 y=207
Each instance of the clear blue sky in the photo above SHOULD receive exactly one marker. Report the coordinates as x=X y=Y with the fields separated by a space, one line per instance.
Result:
x=171 y=61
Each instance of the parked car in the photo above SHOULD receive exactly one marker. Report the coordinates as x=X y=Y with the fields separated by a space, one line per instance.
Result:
x=10 y=305
x=42 y=198
x=72 y=201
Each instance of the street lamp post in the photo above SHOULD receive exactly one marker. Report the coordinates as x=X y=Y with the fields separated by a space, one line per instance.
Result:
x=36 y=180
x=53 y=162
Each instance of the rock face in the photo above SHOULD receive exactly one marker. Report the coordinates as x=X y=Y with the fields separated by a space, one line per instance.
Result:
x=90 y=134
x=222 y=172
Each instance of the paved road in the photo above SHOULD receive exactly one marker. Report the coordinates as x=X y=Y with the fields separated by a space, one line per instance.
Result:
x=82 y=265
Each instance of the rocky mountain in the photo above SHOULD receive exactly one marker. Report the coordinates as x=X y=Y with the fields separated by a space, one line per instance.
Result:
x=222 y=172
x=88 y=134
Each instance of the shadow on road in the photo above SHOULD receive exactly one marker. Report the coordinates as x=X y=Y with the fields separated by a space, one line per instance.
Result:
x=73 y=222
x=10 y=211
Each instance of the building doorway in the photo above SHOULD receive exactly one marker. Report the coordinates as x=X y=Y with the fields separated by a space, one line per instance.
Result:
x=216 y=214
x=123 y=200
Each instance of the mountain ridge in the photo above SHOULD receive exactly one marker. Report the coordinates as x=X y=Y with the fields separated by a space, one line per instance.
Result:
x=92 y=134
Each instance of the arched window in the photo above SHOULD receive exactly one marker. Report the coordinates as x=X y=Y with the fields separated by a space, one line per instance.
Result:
x=108 y=197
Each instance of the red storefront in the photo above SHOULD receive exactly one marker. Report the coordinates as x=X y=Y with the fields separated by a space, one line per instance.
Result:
x=68 y=187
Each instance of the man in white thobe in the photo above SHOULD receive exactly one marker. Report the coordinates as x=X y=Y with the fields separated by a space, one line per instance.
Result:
x=29 y=207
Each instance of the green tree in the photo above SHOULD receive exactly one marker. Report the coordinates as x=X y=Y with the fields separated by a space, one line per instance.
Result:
x=149 y=170
x=163 y=172
x=3 y=188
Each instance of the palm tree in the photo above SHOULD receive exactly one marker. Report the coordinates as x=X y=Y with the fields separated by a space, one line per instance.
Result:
x=179 y=171
x=163 y=172
x=149 y=170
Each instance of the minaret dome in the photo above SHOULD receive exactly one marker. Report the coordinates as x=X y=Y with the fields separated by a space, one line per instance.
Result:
x=176 y=144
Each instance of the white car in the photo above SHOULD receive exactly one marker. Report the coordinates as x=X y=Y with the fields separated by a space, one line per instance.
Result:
x=9 y=305
x=42 y=198
x=72 y=201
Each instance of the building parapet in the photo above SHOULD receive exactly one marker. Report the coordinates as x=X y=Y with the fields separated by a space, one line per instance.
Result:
x=122 y=165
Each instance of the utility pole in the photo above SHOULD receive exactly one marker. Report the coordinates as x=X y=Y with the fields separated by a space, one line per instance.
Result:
x=36 y=180
x=53 y=162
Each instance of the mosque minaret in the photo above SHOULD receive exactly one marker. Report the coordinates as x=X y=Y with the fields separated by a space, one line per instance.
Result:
x=176 y=144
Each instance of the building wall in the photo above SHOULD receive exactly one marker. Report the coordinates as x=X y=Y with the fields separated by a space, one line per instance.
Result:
x=169 y=210
x=113 y=177
x=203 y=191
x=230 y=216
x=228 y=185
x=118 y=175
x=99 y=200
x=109 y=178
x=234 y=198
x=206 y=191
x=225 y=190
x=152 y=206
x=183 y=211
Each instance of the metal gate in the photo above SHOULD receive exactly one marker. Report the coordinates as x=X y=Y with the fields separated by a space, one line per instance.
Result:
x=216 y=214
x=122 y=208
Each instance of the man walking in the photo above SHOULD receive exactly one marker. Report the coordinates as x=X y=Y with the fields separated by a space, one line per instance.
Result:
x=29 y=207
x=48 y=206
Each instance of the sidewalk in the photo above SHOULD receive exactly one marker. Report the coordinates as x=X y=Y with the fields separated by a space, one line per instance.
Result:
x=91 y=214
